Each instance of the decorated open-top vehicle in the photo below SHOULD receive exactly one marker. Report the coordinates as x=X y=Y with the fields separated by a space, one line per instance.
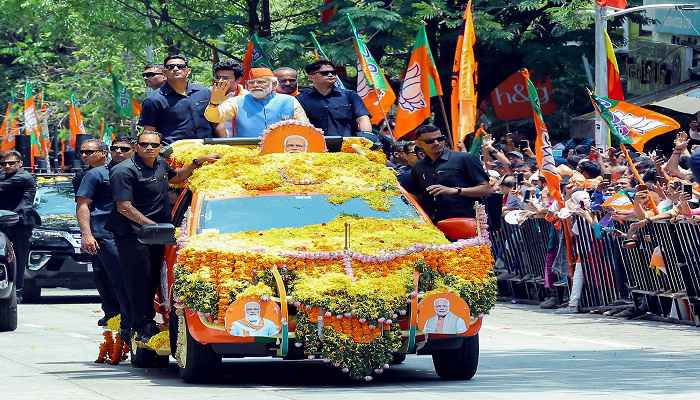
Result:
x=319 y=255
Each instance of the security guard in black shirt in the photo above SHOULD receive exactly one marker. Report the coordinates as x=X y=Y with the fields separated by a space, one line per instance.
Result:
x=140 y=191
x=447 y=182
x=17 y=191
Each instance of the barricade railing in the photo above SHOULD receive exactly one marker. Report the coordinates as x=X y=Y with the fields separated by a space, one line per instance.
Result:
x=612 y=272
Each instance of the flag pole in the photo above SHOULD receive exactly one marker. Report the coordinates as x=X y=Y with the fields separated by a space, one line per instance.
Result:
x=447 y=122
x=637 y=176
x=386 y=119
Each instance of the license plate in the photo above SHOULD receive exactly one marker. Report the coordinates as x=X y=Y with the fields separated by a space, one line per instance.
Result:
x=89 y=267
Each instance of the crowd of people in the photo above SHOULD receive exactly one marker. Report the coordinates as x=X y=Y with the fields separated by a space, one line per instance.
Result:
x=125 y=185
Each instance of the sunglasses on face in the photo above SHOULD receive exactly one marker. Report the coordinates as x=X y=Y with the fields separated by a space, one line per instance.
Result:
x=150 y=74
x=433 y=140
x=173 y=66
x=88 y=152
x=325 y=73
x=151 y=145
x=120 y=149
x=8 y=163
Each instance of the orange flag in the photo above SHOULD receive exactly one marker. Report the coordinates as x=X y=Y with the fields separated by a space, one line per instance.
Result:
x=657 y=262
x=615 y=91
x=543 y=146
x=135 y=107
x=7 y=140
x=464 y=81
x=420 y=83
x=75 y=121
x=621 y=4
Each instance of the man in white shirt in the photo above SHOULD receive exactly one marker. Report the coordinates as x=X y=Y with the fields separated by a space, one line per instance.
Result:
x=254 y=324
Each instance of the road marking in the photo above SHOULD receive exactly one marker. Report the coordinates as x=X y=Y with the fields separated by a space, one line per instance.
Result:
x=559 y=337
x=33 y=326
x=77 y=335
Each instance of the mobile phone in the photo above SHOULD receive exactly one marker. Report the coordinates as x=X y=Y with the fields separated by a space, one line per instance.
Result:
x=642 y=186
x=688 y=189
x=607 y=177
x=519 y=178
x=524 y=144
x=526 y=195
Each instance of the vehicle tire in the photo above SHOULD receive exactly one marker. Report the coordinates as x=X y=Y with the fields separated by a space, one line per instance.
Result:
x=146 y=358
x=197 y=362
x=459 y=364
x=397 y=358
x=31 y=293
x=8 y=312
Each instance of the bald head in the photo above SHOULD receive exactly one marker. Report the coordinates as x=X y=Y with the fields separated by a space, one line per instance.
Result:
x=287 y=78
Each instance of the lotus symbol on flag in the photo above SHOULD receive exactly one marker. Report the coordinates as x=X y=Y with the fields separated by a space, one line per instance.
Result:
x=637 y=123
x=411 y=97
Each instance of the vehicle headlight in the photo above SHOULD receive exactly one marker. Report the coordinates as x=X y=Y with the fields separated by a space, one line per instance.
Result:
x=50 y=238
x=38 y=259
x=4 y=276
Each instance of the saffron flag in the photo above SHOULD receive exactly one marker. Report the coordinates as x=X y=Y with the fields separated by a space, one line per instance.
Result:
x=657 y=262
x=464 y=80
x=372 y=85
x=320 y=54
x=122 y=98
x=254 y=57
x=543 y=146
x=31 y=123
x=135 y=107
x=420 y=83
x=614 y=84
x=619 y=202
x=7 y=139
x=621 y=4
x=631 y=124
x=45 y=134
x=75 y=121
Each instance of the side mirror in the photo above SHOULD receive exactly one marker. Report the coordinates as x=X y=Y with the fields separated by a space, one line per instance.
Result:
x=458 y=228
x=157 y=234
x=8 y=219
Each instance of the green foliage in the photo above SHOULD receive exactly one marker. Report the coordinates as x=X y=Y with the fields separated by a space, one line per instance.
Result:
x=66 y=46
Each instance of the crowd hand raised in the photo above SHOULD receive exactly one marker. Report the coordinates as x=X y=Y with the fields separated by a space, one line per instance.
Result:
x=209 y=158
x=681 y=141
x=218 y=91
x=437 y=190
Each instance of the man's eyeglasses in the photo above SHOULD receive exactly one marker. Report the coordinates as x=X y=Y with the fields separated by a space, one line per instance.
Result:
x=88 y=152
x=120 y=149
x=178 y=66
x=258 y=82
x=150 y=74
x=433 y=140
x=9 y=163
x=325 y=73
x=151 y=145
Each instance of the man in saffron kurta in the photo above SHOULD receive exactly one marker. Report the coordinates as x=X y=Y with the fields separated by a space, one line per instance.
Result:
x=257 y=110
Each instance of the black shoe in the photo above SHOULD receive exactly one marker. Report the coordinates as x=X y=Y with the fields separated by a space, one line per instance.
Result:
x=147 y=332
x=103 y=321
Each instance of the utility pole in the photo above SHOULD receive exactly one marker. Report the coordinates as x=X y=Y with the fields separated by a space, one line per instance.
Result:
x=602 y=15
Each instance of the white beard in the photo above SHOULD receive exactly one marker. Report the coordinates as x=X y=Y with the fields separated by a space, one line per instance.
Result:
x=261 y=94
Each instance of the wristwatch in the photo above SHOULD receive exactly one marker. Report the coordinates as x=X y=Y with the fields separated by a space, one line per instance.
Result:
x=459 y=191
x=196 y=162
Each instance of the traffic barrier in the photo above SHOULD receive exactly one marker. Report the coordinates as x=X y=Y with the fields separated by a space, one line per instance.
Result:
x=613 y=274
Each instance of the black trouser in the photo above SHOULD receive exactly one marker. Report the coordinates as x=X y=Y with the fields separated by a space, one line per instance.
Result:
x=141 y=271
x=19 y=235
x=109 y=280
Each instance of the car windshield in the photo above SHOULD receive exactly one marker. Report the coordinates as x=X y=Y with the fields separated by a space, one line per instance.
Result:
x=266 y=212
x=54 y=199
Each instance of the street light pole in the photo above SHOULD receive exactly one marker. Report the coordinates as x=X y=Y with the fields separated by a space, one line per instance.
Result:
x=601 y=59
x=601 y=73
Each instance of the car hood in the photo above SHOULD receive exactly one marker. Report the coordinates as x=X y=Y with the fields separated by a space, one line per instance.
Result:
x=61 y=222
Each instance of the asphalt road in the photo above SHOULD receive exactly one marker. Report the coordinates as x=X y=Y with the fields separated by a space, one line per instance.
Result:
x=526 y=353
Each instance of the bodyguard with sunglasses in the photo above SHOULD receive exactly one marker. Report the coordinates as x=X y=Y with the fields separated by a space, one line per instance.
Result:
x=94 y=204
x=446 y=182
x=176 y=110
x=153 y=76
x=338 y=112
x=140 y=190
x=17 y=190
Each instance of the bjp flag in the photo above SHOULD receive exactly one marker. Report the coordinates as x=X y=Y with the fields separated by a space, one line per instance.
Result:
x=75 y=121
x=631 y=124
x=614 y=84
x=7 y=140
x=254 y=57
x=31 y=123
x=464 y=74
x=543 y=146
x=372 y=85
x=420 y=83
